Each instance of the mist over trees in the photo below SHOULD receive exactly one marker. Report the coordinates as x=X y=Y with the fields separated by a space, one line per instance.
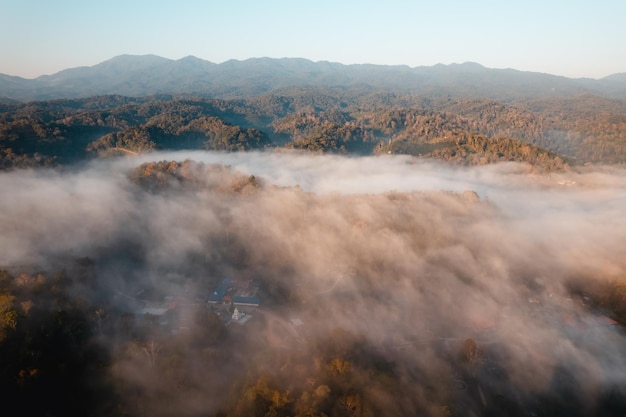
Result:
x=404 y=299
x=284 y=238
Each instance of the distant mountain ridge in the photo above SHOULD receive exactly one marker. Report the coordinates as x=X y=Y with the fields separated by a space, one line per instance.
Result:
x=144 y=75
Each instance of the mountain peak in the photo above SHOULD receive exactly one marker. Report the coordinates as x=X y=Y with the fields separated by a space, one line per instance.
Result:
x=135 y=58
x=134 y=61
x=620 y=76
x=471 y=64
x=192 y=58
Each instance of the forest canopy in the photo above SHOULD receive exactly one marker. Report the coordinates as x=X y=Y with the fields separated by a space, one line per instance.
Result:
x=550 y=134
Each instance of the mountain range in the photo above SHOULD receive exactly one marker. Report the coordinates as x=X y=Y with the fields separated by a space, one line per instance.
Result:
x=144 y=75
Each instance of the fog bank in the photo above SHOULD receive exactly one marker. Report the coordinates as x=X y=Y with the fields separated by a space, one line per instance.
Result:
x=416 y=257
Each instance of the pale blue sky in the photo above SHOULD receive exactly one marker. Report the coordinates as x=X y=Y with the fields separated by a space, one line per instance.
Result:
x=572 y=38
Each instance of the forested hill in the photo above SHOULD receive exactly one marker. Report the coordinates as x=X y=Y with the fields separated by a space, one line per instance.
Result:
x=148 y=75
x=548 y=133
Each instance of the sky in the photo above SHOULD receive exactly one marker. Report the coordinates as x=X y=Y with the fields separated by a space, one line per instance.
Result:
x=572 y=38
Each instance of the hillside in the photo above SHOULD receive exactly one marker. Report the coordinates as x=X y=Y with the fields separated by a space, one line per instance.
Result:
x=547 y=133
x=149 y=74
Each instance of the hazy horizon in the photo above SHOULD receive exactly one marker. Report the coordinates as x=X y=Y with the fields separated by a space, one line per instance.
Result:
x=297 y=58
x=573 y=39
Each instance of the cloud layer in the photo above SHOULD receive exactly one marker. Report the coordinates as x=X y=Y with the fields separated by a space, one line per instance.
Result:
x=415 y=256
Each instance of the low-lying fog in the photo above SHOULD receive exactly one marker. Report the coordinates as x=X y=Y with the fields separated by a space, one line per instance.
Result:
x=404 y=252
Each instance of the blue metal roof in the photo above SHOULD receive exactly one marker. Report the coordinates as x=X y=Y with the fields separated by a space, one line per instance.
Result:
x=246 y=300
x=220 y=291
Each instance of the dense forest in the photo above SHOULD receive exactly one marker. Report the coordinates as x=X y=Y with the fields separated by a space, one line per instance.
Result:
x=548 y=134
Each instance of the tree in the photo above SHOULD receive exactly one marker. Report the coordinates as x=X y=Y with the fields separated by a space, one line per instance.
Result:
x=352 y=404
x=151 y=349
x=471 y=354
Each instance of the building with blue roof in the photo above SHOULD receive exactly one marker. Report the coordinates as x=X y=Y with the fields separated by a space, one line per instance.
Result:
x=218 y=295
x=228 y=292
